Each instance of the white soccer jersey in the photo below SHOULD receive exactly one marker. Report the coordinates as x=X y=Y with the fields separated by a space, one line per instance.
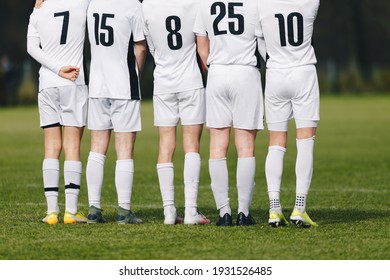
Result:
x=60 y=27
x=114 y=72
x=287 y=28
x=230 y=27
x=168 y=27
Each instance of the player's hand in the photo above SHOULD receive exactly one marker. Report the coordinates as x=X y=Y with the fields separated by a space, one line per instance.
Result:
x=69 y=72
x=38 y=3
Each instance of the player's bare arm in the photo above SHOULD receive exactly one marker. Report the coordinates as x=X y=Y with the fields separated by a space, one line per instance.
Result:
x=38 y=4
x=69 y=72
x=140 y=54
x=203 y=47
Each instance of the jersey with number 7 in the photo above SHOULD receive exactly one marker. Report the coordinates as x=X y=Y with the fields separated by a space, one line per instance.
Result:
x=287 y=28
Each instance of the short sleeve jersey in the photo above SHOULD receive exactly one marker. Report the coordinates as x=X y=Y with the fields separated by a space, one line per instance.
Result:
x=230 y=27
x=287 y=28
x=168 y=27
x=112 y=27
x=60 y=27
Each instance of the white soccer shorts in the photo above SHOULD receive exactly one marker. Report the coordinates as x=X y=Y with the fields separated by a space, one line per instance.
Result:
x=121 y=115
x=65 y=106
x=234 y=97
x=292 y=93
x=188 y=106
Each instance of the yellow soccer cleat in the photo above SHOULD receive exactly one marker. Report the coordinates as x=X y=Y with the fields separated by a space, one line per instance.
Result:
x=301 y=219
x=70 y=218
x=51 y=218
x=277 y=219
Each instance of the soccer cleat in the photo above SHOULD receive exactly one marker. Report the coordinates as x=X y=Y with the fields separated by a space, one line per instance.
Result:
x=127 y=217
x=95 y=215
x=70 y=218
x=197 y=219
x=224 y=221
x=171 y=217
x=277 y=219
x=243 y=220
x=301 y=219
x=51 y=218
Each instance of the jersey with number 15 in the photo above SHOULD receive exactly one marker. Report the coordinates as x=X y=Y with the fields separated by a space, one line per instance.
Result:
x=287 y=28
x=111 y=26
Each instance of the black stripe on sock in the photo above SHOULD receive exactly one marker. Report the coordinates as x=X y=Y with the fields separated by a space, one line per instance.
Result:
x=51 y=189
x=72 y=186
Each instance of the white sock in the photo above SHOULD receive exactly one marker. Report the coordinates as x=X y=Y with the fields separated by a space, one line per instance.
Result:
x=94 y=174
x=72 y=179
x=51 y=176
x=191 y=181
x=246 y=169
x=165 y=175
x=273 y=174
x=124 y=173
x=304 y=170
x=220 y=184
x=300 y=202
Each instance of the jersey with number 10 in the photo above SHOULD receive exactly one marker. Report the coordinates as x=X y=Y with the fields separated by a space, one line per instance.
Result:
x=230 y=27
x=60 y=27
x=168 y=30
x=287 y=28
x=111 y=25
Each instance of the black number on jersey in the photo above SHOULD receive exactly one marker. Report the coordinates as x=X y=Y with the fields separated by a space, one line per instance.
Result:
x=233 y=29
x=174 y=32
x=295 y=42
x=65 y=25
x=105 y=38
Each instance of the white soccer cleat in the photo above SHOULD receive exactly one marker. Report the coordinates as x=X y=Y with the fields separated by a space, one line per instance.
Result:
x=196 y=219
x=171 y=217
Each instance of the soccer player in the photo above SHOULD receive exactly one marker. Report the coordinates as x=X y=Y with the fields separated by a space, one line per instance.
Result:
x=227 y=43
x=114 y=98
x=178 y=95
x=291 y=92
x=55 y=38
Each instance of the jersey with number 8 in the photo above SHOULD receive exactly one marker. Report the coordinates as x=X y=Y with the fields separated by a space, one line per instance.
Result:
x=168 y=31
x=287 y=27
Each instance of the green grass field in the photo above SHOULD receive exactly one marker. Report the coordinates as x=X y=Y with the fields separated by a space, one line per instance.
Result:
x=349 y=196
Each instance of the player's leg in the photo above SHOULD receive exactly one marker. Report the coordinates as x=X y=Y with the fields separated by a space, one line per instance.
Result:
x=165 y=172
x=124 y=175
x=100 y=126
x=304 y=171
x=126 y=121
x=72 y=173
x=51 y=171
x=191 y=141
x=245 y=173
x=273 y=172
x=219 y=144
x=192 y=109
x=166 y=118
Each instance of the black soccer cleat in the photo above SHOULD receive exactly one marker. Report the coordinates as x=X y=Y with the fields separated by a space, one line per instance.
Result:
x=226 y=220
x=243 y=220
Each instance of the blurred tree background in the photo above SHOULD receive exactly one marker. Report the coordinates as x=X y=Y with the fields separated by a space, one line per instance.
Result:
x=351 y=39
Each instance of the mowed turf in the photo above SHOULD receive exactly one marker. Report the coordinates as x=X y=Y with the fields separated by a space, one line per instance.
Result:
x=349 y=197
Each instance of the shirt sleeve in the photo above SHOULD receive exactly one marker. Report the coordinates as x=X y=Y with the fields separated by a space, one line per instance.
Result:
x=33 y=48
x=147 y=34
x=200 y=26
x=137 y=23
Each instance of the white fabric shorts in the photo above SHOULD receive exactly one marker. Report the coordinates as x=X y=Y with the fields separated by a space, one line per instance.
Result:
x=292 y=93
x=188 y=106
x=234 y=97
x=121 y=115
x=65 y=106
